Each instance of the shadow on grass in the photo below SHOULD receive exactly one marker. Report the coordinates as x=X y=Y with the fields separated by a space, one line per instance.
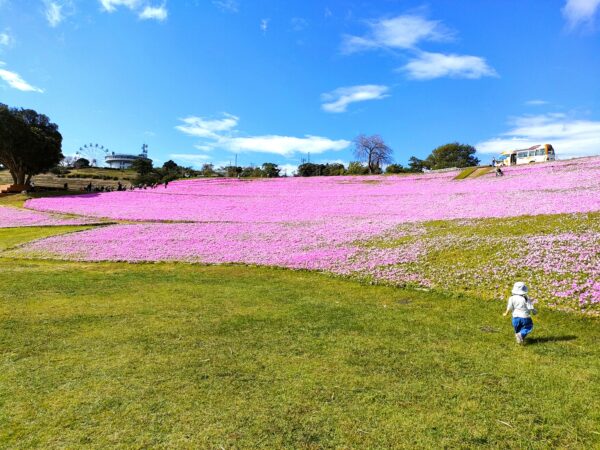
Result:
x=541 y=340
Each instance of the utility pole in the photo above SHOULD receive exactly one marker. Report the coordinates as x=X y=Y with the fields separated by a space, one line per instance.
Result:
x=236 y=160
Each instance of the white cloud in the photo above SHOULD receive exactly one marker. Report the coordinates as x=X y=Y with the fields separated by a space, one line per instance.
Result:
x=207 y=128
x=220 y=133
x=6 y=40
x=298 y=24
x=536 y=102
x=287 y=169
x=282 y=145
x=159 y=13
x=428 y=66
x=264 y=25
x=112 y=5
x=56 y=11
x=53 y=12
x=403 y=32
x=332 y=161
x=569 y=137
x=337 y=101
x=144 y=8
x=227 y=5
x=189 y=157
x=15 y=81
x=580 y=12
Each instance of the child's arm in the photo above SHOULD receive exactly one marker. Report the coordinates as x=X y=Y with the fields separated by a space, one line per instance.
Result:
x=509 y=308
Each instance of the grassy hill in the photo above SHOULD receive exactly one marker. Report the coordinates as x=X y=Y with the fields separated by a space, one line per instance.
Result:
x=179 y=355
x=473 y=172
x=77 y=179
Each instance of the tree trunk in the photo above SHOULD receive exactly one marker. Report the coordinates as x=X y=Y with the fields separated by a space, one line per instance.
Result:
x=18 y=177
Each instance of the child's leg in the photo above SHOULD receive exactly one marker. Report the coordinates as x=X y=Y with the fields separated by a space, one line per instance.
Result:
x=527 y=327
x=517 y=324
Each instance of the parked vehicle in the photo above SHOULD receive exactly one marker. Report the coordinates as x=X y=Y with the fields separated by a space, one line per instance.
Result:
x=537 y=153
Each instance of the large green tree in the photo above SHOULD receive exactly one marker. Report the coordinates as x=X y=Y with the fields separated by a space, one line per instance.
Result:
x=395 y=168
x=171 y=166
x=29 y=143
x=452 y=155
x=143 y=166
x=271 y=170
x=415 y=164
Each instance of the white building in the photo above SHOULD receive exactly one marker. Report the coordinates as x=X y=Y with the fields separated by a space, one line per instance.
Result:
x=124 y=161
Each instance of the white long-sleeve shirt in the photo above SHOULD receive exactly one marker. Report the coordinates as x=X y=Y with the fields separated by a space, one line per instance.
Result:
x=518 y=305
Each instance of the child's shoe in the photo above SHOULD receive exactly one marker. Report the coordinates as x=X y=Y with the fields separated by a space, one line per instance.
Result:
x=519 y=338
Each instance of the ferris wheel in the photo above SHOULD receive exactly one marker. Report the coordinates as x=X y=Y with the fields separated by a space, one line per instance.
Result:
x=94 y=153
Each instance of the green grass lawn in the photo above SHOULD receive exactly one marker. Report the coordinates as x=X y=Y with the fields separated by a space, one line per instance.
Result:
x=465 y=173
x=177 y=355
x=102 y=171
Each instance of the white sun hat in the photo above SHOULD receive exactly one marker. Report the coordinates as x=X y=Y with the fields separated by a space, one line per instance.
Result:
x=520 y=288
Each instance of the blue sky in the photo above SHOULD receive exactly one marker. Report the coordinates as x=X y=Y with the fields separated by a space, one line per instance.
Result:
x=201 y=80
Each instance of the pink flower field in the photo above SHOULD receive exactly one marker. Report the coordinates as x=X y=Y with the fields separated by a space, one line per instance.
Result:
x=330 y=224
x=562 y=187
x=15 y=217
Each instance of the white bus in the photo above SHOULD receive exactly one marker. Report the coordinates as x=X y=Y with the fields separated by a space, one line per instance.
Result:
x=537 y=153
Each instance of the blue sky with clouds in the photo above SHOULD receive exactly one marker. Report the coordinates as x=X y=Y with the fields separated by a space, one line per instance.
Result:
x=202 y=80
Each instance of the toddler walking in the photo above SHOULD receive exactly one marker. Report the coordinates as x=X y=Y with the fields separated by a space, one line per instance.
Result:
x=521 y=309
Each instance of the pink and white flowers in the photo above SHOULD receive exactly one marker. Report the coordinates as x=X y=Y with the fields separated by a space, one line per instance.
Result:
x=15 y=217
x=330 y=224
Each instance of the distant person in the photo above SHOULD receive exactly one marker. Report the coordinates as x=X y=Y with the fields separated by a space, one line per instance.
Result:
x=66 y=186
x=499 y=172
x=166 y=184
x=494 y=162
x=521 y=308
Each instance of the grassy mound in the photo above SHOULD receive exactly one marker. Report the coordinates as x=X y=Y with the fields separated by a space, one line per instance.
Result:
x=481 y=171
x=77 y=179
x=465 y=173
x=473 y=172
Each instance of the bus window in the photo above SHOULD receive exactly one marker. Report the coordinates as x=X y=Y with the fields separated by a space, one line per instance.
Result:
x=550 y=150
x=522 y=154
x=532 y=153
x=540 y=152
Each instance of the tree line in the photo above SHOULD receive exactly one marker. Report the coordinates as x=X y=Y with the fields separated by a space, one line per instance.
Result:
x=374 y=156
x=31 y=144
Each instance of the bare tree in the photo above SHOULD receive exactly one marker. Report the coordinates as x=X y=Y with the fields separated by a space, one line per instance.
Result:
x=68 y=161
x=373 y=151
